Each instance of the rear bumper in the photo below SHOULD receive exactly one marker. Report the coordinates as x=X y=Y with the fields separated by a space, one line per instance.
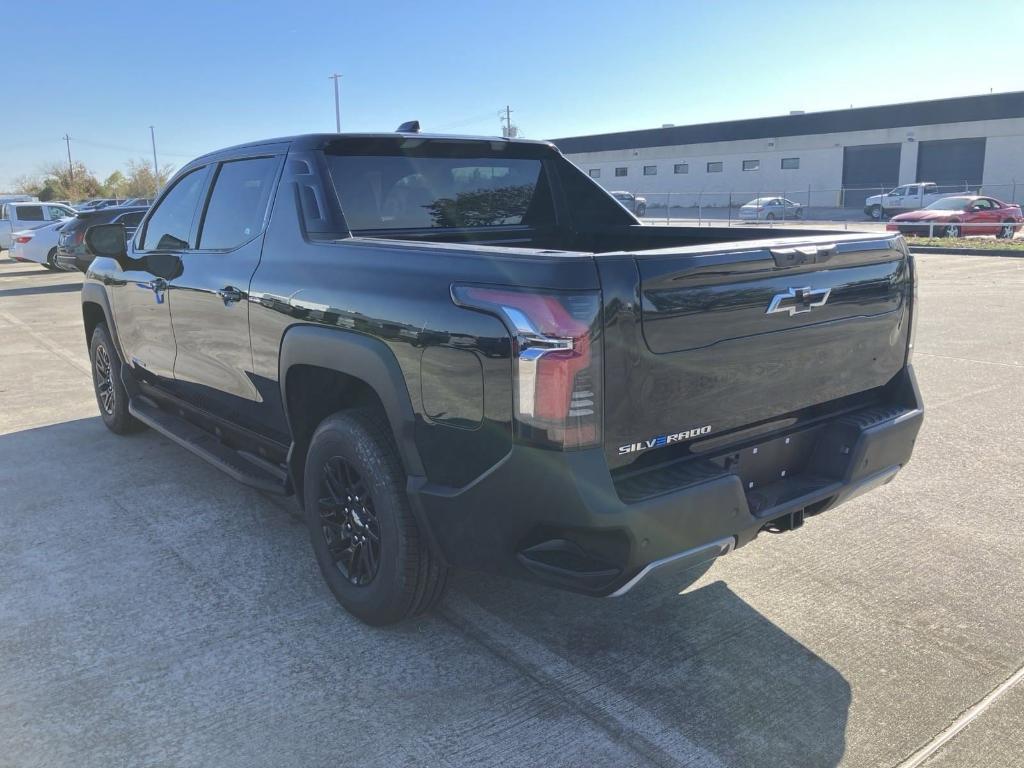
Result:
x=561 y=519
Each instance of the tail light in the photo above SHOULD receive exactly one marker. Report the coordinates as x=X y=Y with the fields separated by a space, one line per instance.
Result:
x=557 y=361
x=79 y=237
x=23 y=239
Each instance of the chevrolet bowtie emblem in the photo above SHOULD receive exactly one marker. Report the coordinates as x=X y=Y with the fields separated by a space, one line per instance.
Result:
x=797 y=300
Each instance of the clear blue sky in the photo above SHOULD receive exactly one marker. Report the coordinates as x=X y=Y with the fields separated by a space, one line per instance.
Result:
x=210 y=74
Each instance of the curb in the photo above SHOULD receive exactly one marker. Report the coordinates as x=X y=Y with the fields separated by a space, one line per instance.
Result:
x=968 y=251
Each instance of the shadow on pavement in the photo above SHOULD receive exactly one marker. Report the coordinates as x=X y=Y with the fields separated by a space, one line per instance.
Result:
x=40 y=289
x=166 y=569
x=29 y=273
x=704 y=664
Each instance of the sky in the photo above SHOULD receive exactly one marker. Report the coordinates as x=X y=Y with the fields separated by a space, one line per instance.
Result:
x=211 y=74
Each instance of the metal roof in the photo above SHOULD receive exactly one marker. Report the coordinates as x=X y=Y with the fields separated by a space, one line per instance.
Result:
x=995 y=106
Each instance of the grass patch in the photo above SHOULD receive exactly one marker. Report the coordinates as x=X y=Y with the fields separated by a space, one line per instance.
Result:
x=984 y=243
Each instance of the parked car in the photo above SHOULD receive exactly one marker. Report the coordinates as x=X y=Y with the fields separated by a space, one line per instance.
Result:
x=132 y=202
x=72 y=252
x=904 y=198
x=38 y=245
x=15 y=217
x=96 y=203
x=960 y=216
x=465 y=353
x=770 y=209
x=633 y=203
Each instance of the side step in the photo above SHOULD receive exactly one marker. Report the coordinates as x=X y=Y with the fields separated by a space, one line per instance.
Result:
x=256 y=473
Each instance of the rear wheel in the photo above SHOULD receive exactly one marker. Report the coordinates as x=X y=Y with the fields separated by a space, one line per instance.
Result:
x=106 y=378
x=51 y=260
x=373 y=556
x=1007 y=230
x=770 y=217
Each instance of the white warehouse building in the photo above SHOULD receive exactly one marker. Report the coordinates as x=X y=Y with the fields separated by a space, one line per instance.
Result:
x=833 y=158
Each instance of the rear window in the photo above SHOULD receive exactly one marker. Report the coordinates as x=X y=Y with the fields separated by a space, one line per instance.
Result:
x=403 y=192
x=30 y=212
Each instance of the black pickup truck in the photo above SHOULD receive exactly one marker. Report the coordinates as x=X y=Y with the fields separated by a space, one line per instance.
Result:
x=462 y=352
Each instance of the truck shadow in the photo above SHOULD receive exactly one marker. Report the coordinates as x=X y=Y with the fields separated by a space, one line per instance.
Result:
x=170 y=566
x=36 y=290
x=727 y=685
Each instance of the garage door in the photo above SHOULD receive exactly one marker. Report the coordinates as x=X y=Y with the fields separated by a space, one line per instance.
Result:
x=951 y=162
x=867 y=169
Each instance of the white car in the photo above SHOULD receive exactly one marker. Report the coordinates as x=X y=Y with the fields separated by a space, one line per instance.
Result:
x=38 y=245
x=15 y=217
x=770 y=209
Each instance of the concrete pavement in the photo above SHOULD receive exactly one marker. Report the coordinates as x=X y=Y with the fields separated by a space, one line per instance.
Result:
x=153 y=612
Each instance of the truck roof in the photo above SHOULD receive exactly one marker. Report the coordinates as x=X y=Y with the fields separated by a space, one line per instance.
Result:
x=320 y=140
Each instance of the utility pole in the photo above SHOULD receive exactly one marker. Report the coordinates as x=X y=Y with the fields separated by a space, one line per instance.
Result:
x=156 y=168
x=71 y=168
x=508 y=122
x=337 y=102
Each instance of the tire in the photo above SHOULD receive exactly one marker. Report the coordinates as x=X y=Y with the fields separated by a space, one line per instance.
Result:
x=641 y=211
x=371 y=552
x=951 y=230
x=111 y=396
x=51 y=263
x=876 y=212
x=1007 y=230
x=770 y=217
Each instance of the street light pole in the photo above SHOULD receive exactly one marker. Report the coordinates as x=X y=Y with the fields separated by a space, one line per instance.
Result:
x=337 y=102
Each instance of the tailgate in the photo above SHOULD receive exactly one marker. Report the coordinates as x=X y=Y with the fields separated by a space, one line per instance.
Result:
x=706 y=344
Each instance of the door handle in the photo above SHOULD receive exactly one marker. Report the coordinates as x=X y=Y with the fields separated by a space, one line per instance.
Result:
x=229 y=294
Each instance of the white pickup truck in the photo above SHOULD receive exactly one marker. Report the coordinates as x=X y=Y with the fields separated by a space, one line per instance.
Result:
x=15 y=217
x=904 y=198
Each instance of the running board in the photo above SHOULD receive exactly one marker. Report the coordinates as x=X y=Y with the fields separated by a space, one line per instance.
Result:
x=254 y=472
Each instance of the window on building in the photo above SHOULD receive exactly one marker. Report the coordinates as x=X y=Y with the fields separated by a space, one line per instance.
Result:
x=595 y=173
x=751 y=165
x=621 y=171
x=681 y=168
x=650 y=170
x=715 y=167
x=790 y=163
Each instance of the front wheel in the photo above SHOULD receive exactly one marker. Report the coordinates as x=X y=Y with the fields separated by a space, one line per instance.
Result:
x=1007 y=230
x=876 y=212
x=372 y=554
x=952 y=230
x=641 y=210
x=770 y=217
x=111 y=395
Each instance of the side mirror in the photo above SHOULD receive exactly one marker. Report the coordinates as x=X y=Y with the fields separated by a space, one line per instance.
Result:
x=107 y=240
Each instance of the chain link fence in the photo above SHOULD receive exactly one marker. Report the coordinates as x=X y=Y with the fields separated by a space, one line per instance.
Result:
x=849 y=207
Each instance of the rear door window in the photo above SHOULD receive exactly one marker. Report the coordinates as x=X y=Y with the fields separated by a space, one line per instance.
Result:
x=238 y=204
x=170 y=226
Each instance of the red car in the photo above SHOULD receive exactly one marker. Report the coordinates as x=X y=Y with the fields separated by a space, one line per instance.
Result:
x=959 y=216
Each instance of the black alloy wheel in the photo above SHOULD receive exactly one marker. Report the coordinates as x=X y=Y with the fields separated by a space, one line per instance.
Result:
x=349 y=522
x=103 y=378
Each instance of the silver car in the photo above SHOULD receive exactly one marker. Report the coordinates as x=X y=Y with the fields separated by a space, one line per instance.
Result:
x=770 y=209
x=633 y=203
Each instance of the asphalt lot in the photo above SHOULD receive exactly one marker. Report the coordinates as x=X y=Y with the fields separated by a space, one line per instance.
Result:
x=155 y=613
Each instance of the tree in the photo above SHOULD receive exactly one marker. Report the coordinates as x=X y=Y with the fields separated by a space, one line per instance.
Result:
x=115 y=184
x=58 y=182
x=141 y=182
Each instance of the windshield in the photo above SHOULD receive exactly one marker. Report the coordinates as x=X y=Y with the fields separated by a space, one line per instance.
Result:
x=950 y=204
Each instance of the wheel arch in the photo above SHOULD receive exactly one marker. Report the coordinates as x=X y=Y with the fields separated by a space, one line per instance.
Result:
x=323 y=370
x=96 y=310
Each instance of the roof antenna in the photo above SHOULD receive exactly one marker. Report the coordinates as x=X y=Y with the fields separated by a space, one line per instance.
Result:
x=413 y=126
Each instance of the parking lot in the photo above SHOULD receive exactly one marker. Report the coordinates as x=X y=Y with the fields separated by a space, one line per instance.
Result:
x=154 y=612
